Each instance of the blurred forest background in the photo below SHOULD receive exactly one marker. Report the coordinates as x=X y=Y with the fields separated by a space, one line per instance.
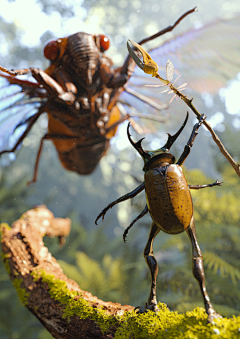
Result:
x=95 y=256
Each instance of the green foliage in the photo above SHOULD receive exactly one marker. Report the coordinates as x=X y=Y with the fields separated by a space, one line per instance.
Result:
x=218 y=205
x=230 y=137
x=106 y=279
x=11 y=207
x=214 y=263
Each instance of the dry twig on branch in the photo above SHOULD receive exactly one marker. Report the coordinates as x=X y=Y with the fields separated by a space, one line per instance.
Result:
x=149 y=66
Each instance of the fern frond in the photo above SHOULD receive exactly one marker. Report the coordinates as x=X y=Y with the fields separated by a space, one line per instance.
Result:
x=105 y=279
x=213 y=261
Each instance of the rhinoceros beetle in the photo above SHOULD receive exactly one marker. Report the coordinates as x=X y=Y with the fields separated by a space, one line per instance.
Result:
x=169 y=203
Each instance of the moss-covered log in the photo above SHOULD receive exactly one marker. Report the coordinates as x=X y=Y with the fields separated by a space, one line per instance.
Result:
x=69 y=312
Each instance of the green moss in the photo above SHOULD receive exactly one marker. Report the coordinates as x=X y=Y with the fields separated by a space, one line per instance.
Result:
x=5 y=256
x=22 y=294
x=164 y=325
x=74 y=304
x=171 y=325
x=4 y=225
x=5 y=261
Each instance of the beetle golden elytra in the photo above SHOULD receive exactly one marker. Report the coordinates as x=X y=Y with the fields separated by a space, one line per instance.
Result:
x=170 y=205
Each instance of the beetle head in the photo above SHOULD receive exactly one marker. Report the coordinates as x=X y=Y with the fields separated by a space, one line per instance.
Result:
x=148 y=155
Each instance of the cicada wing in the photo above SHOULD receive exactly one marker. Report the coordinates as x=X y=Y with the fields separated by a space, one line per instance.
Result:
x=147 y=112
x=17 y=106
x=206 y=57
x=145 y=106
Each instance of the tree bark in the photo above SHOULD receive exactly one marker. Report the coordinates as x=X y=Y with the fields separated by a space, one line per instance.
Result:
x=29 y=262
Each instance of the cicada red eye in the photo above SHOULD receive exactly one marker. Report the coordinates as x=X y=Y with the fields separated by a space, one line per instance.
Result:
x=51 y=50
x=104 y=42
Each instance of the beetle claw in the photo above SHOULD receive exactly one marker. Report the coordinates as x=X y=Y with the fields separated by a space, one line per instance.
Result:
x=212 y=316
x=146 y=308
x=216 y=183
x=98 y=217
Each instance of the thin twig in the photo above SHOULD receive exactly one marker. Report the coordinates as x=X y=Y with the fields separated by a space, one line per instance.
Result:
x=216 y=139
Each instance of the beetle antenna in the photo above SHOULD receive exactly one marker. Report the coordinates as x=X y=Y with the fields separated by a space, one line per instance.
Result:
x=137 y=145
x=172 y=138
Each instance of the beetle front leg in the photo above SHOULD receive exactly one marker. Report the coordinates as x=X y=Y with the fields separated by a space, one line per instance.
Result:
x=123 y=198
x=190 y=142
x=153 y=266
x=198 y=271
x=197 y=187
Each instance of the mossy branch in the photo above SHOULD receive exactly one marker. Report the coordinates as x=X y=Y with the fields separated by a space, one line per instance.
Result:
x=67 y=311
x=58 y=302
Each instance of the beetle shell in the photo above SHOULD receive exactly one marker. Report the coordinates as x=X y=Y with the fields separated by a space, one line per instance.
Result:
x=168 y=197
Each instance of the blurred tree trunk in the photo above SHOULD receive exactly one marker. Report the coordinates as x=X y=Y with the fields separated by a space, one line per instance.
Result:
x=29 y=262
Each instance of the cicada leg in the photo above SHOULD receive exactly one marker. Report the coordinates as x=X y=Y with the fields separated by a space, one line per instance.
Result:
x=46 y=137
x=31 y=122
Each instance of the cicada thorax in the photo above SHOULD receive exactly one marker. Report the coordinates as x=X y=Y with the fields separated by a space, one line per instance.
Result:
x=82 y=56
x=168 y=197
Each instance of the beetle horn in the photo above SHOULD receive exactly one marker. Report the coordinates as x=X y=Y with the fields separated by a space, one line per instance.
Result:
x=137 y=145
x=172 y=138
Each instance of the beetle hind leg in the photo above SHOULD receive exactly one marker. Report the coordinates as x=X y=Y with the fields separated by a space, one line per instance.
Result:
x=153 y=266
x=198 y=271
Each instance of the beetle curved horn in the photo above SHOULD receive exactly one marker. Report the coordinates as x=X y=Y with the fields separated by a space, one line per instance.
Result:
x=172 y=138
x=137 y=145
